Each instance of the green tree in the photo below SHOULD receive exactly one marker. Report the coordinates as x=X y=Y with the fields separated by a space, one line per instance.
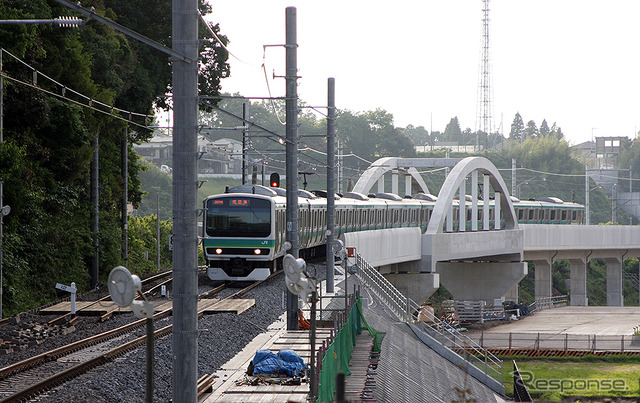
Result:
x=452 y=131
x=517 y=128
x=47 y=152
x=531 y=130
x=419 y=135
x=544 y=128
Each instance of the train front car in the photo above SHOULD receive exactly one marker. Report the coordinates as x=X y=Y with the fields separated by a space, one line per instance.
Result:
x=239 y=236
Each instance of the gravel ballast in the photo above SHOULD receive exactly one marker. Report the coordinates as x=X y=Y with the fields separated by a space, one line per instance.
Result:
x=221 y=337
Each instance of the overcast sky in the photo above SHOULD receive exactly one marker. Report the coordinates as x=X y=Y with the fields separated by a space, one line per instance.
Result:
x=573 y=62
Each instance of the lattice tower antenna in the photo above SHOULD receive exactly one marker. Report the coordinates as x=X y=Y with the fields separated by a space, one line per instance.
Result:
x=484 y=120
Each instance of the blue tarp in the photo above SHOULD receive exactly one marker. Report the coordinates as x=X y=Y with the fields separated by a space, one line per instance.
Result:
x=285 y=362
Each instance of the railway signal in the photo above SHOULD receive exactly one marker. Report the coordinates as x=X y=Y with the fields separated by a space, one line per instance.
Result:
x=274 y=180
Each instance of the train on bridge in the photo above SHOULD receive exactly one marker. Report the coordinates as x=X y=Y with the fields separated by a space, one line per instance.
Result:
x=244 y=229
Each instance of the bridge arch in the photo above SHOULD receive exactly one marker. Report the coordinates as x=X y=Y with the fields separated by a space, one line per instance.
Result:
x=381 y=166
x=456 y=182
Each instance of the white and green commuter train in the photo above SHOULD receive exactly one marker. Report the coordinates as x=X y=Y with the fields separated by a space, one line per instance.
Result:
x=244 y=229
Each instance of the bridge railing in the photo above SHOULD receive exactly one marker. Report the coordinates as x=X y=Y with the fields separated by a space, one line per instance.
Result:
x=550 y=302
x=538 y=343
x=405 y=309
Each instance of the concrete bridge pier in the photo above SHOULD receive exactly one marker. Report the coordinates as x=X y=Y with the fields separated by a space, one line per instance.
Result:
x=417 y=286
x=486 y=281
x=543 y=278
x=614 y=282
x=578 y=282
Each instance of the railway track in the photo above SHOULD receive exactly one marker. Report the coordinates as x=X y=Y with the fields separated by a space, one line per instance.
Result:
x=31 y=377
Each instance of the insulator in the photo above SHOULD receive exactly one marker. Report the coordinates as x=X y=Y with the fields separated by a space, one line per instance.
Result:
x=68 y=22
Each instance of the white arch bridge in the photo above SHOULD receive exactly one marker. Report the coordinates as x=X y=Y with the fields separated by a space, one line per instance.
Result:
x=487 y=261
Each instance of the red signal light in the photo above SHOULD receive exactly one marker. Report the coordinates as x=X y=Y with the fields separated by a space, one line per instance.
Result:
x=274 y=180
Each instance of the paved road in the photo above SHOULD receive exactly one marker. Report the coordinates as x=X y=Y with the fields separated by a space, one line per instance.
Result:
x=577 y=320
x=571 y=327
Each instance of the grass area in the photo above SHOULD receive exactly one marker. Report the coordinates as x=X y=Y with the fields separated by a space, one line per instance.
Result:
x=591 y=377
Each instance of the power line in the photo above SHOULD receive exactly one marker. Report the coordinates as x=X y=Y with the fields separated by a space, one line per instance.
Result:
x=65 y=91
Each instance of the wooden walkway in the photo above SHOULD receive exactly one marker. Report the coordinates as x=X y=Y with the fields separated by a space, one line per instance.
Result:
x=209 y=306
x=359 y=366
x=231 y=381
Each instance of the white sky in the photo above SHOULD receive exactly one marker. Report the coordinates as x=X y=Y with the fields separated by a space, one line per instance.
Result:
x=574 y=62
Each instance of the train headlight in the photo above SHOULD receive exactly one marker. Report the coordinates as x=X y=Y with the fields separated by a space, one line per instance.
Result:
x=257 y=251
x=218 y=251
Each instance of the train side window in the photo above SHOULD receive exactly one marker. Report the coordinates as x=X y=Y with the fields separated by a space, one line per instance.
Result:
x=574 y=215
x=553 y=215
x=520 y=214
x=531 y=213
x=564 y=215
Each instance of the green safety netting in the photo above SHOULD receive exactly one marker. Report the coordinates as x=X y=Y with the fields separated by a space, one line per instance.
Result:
x=336 y=358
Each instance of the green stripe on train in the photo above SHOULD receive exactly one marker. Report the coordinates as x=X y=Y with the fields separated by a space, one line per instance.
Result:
x=240 y=243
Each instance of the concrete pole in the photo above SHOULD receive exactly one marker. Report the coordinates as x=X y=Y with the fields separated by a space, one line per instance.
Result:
x=185 y=186
x=292 y=152
x=331 y=182
x=244 y=143
x=513 y=177
x=340 y=168
x=158 y=231
x=586 y=195
x=614 y=199
x=125 y=197
x=94 y=272
x=1 y=244
x=1 y=182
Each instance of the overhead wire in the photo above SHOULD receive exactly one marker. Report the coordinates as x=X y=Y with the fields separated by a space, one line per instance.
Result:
x=266 y=78
x=90 y=102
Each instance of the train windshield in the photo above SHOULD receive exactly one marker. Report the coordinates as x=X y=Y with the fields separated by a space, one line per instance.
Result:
x=238 y=217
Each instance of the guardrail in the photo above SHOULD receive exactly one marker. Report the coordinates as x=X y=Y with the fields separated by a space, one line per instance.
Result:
x=405 y=309
x=558 y=342
x=550 y=302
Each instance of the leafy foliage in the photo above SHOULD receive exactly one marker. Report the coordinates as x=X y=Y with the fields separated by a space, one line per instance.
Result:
x=47 y=150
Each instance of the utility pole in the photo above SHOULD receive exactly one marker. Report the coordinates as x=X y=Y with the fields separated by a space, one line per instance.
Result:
x=513 y=177
x=95 y=212
x=244 y=142
x=340 y=167
x=185 y=209
x=586 y=192
x=158 y=230
x=292 y=152
x=1 y=183
x=125 y=197
x=331 y=182
x=614 y=199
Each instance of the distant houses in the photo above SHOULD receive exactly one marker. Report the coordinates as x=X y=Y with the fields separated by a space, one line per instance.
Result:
x=222 y=156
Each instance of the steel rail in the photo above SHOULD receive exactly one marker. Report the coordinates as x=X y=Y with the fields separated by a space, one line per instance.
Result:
x=204 y=383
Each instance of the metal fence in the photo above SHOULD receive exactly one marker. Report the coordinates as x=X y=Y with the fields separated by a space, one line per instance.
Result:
x=405 y=309
x=550 y=302
x=562 y=342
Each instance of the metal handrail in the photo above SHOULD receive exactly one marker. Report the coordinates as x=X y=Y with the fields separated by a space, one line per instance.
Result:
x=549 y=302
x=404 y=308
